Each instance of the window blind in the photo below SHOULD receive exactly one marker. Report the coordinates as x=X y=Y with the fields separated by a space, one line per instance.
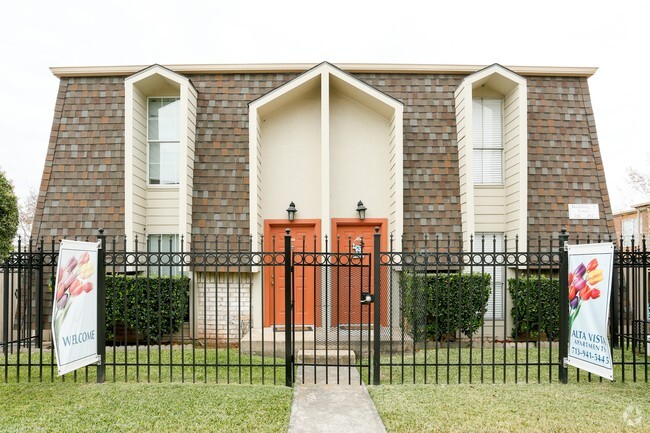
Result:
x=490 y=243
x=487 y=130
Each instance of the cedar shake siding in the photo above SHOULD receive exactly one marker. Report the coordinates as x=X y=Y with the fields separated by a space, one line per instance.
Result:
x=431 y=188
x=83 y=179
x=220 y=201
x=82 y=188
x=564 y=162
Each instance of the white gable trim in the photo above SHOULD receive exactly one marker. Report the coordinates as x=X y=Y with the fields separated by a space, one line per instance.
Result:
x=516 y=181
x=491 y=70
x=325 y=71
x=324 y=68
x=136 y=199
x=157 y=70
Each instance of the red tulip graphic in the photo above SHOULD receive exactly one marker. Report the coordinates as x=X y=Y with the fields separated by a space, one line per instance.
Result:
x=72 y=282
x=582 y=282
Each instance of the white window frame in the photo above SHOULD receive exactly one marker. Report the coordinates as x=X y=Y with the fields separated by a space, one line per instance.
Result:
x=149 y=142
x=498 y=278
x=627 y=234
x=476 y=148
x=162 y=239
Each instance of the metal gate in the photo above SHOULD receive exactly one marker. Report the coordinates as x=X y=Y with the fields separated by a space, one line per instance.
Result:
x=339 y=344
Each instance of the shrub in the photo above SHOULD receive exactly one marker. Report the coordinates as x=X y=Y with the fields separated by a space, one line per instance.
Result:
x=8 y=216
x=437 y=306
x=153 y=306
x=535 y=306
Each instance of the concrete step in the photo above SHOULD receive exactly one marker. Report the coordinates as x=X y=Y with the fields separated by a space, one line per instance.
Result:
x=265 y=341
x=322 y=356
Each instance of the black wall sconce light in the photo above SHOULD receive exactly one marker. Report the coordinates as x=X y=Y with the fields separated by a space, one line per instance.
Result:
x=362 y=210
x=291 y=211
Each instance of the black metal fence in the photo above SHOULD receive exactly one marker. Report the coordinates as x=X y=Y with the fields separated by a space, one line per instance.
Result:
x=224 y=309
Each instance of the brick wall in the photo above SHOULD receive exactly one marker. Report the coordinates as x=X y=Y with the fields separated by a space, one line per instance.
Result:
x=223 y=308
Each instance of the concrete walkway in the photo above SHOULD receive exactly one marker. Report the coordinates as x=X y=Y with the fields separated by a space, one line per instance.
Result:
x=320 y=408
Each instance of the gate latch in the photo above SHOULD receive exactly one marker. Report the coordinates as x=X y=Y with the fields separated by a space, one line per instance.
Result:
x=367 y=298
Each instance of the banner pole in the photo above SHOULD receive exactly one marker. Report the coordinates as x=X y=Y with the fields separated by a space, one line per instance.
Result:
x=564 y=307
x=101 y=307
x=288 y=306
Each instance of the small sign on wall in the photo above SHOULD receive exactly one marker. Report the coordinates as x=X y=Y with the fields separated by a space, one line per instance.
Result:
x=583 y=211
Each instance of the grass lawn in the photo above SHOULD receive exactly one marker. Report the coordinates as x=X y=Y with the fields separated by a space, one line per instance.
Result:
x=152 y=364
x=512 y=365
x=581 y=407
x=141 y=407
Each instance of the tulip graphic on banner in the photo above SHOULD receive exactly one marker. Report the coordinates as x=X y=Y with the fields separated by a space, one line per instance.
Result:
x=582 y=287
x=74 y=309
x=72 y=282
x=590 y=279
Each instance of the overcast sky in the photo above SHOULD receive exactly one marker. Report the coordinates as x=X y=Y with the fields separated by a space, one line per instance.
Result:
x=613 y=36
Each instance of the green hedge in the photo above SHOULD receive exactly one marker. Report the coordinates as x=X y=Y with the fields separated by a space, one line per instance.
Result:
x=155 y=306
x=437 y=306
x=536 y=307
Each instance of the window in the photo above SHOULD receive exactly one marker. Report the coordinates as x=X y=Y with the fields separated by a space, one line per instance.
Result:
x=160 y=264
x=490 y=243
x=628 y=228
x=487 y=132
x=163 y=136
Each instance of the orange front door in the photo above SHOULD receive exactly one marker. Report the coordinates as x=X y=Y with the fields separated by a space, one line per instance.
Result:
x=351 y=236
x=305 y=236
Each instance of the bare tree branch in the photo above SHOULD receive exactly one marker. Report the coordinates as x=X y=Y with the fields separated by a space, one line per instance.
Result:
x=26 y=211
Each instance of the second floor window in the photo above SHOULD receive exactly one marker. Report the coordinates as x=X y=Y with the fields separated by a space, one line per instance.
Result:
x=163 y=136
x=487 y=132
x=628 y=227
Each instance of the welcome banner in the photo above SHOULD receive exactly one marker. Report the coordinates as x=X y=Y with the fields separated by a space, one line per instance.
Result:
x=590 y=281
x=74 y=313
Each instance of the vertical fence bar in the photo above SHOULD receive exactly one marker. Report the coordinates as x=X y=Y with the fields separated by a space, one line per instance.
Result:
x=288 y=278
x=39 y=298
x=564 y=306
x=645 y=310
x=377 y=289
x=101 y=307
x=613 y=306
x=28 y=308
x=5 y=311
x=19 y=307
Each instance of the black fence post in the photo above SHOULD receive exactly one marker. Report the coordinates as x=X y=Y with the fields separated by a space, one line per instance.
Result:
x=564 y=306
x=101 y=307
x=288 y=287
x=5 y=308
x=377 y=316
x=613 y=306
x=39 y=298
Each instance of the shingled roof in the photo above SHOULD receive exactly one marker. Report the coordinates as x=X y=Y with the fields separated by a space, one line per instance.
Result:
x=82 y=187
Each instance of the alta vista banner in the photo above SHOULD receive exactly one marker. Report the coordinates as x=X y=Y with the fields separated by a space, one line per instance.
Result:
x=74 y=310
x=590 y=282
